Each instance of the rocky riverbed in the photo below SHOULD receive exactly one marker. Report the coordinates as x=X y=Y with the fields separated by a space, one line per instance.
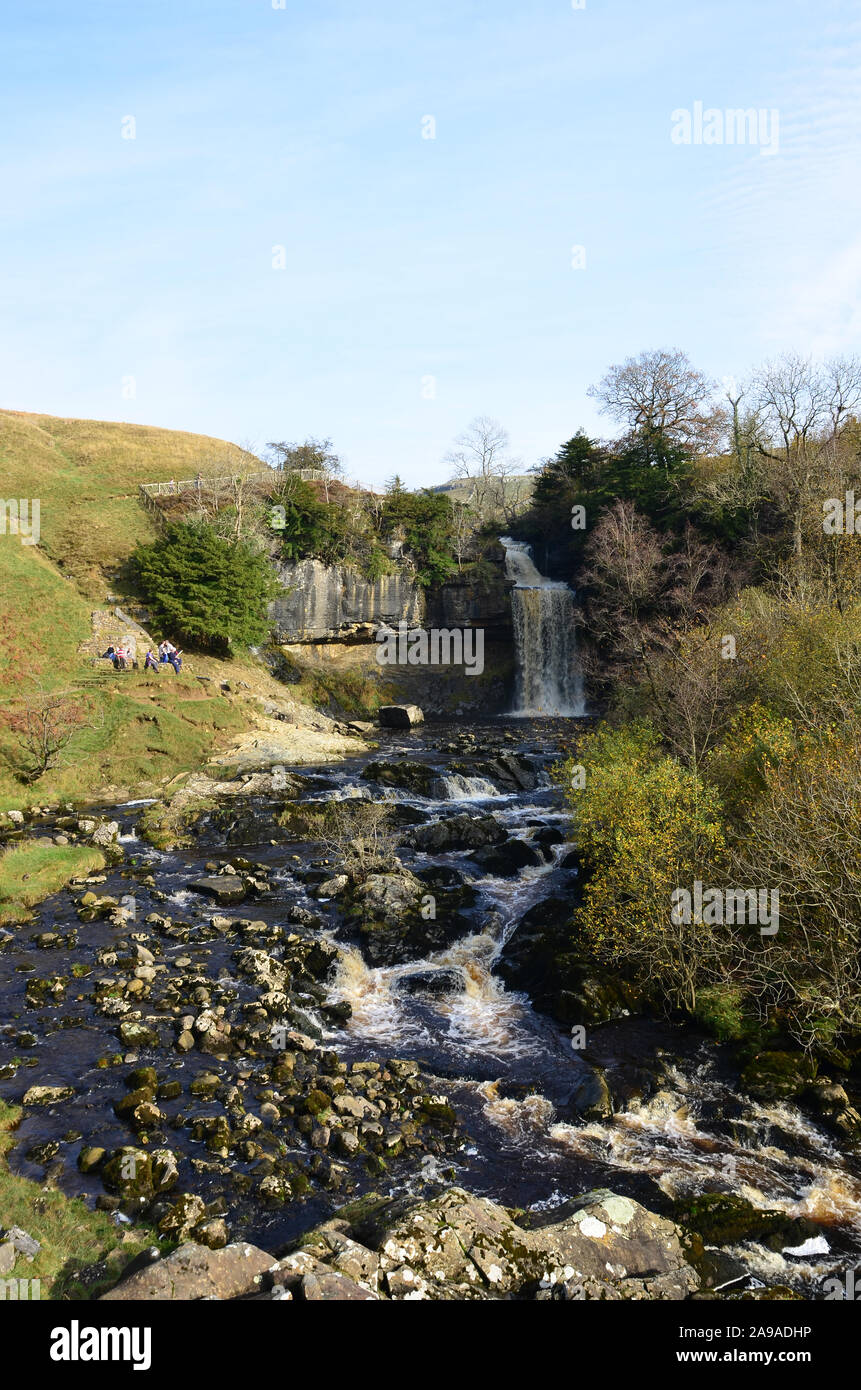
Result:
x=367 y=1077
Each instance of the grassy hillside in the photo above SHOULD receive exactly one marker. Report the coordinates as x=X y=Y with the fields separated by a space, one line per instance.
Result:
x=30 y=872
x=86 y=474
x=518 y=489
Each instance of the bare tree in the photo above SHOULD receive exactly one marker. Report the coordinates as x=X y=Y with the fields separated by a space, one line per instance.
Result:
x=464 y=523
x=480 y=457
x=244 y=491
x=43 y=724
x=357 y=833
x=625 y=575
x=695 y=690
x=650 y=610
x=661 y=392
x=803 y=409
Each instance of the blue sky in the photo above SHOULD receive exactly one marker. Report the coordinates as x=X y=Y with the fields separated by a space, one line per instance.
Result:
x=408 y=258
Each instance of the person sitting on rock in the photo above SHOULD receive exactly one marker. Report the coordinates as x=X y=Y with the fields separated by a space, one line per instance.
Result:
x=176 y=660
x=150 y=662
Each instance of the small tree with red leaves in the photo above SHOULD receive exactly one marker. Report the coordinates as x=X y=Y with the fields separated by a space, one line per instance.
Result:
x=43 y=723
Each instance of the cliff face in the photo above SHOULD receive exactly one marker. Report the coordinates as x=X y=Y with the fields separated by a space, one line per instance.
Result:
x=327 y=617
x=462 y=602
x=322 y=603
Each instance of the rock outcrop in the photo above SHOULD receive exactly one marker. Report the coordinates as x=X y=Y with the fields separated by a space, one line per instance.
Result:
x=329 y=603
x=400 y=716
x=193 y=1272
x=452 y=1247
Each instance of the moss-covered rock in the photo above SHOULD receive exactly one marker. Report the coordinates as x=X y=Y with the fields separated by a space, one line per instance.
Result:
x=128 y=1172
x=778 y=1075
x=90 y=1158
x=407 y=775
x=457 y=1246
x=125 y=1107
x=544 y=958
x=315 y=1103
x=142 y=1076
x=721 y=1218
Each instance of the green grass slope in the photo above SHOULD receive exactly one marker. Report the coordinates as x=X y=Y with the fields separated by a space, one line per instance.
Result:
x=86 y=475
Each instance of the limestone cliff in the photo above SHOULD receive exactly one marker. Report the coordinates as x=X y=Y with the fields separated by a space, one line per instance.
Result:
x=326 y=603
x=327 y=617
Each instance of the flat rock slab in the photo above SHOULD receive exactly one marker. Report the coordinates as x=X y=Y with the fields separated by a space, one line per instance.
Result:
x=47 y=1095
x=226 y=888
x=333 y=1288
x=194 y=1272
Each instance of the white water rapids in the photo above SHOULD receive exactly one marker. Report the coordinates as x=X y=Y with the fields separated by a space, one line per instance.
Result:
x=694 y=1133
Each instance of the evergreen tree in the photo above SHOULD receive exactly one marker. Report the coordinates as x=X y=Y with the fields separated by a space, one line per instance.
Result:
x=205 y=590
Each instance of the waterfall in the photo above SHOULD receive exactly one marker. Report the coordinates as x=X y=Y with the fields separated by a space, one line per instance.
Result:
x=549 y=679
x=455 y=787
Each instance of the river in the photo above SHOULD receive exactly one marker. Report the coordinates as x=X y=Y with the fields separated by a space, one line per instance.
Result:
x=509 y=1072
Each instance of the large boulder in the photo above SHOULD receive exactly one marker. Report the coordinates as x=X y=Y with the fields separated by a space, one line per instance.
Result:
x=456 y=833
x=722 y=1218
x=388 y=898
x=225 y=888
x=458 y=1246
x=106 y=833
x=193 y=1272
x=399 y=920
x=507 y=860
x=514 y=770
x=404 y=773
x=400 y=716
x=544 y=958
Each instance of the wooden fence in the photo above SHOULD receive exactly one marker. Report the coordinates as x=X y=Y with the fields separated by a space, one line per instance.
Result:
x=217 y=488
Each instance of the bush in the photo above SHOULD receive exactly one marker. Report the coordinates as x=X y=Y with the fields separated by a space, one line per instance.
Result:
x=206 y=590
x=720 y=1010
x=312 y=528
x=803 y=840
x=376 y=565
x=647 y=825
x=426 y=521
x=756 y=740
